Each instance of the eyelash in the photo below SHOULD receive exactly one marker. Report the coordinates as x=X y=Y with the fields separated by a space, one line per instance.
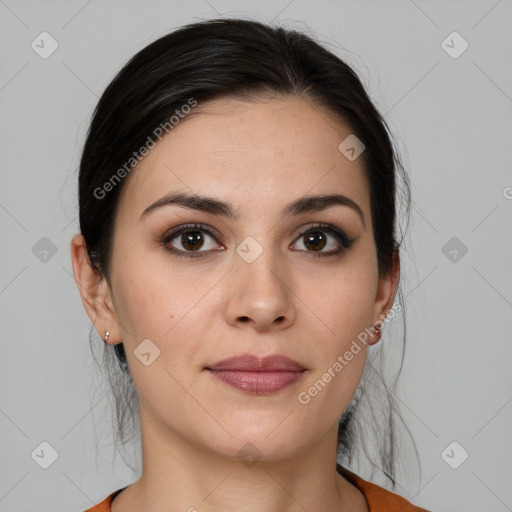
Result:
x=340 y=236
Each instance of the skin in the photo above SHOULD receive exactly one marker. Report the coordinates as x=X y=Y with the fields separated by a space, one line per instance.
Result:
x=259 y=156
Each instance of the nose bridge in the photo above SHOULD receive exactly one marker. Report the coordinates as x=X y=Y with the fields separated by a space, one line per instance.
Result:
x=260 y=263
x=260 y=290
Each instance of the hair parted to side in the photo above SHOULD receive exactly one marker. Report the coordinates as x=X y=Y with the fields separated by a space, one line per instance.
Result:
x=243 y=59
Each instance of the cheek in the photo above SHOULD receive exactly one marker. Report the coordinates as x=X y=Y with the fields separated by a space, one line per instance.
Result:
x=153 y=297
x=167 y=307
x=329 y=389
x=343 y=308
x=342 y=312
x=153 y=308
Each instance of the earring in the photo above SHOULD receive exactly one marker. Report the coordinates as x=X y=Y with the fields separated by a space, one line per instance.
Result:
x=379 y=333
x=107 y=334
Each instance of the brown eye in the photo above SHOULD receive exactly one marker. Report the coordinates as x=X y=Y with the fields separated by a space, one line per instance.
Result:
x=190 y=241
x=315 y=240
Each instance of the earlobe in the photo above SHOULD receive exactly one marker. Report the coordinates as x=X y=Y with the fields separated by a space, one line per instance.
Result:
x=94 y=290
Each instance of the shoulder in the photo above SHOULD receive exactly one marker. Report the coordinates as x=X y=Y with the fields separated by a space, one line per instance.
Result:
x=378 y=498
x=105 y=505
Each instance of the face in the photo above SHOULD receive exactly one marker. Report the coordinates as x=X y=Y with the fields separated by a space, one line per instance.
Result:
x=204 y=286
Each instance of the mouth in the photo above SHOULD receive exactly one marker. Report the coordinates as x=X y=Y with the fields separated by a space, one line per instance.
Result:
x=258 y=375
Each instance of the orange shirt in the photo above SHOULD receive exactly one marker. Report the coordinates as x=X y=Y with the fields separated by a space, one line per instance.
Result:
x=378 y=498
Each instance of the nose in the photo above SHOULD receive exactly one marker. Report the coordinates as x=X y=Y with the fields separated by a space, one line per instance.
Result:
x=260 y=294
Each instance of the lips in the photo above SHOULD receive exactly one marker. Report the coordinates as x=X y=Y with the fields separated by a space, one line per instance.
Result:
x=258 y=375
x=252 y=363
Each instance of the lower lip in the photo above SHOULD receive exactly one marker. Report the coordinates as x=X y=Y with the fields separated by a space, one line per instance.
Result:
x=258 y=382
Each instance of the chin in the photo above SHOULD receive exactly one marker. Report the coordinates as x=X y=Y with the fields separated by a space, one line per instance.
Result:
x=257 y=445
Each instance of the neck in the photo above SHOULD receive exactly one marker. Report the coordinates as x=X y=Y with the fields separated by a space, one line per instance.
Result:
x=181 y=475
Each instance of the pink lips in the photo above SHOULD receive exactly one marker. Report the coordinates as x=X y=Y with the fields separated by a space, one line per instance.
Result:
x=258 y=374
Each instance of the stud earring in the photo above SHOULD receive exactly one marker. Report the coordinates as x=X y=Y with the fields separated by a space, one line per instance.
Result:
x=107 y=334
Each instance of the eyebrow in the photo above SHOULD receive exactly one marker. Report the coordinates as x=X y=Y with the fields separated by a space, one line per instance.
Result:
x=214 y=206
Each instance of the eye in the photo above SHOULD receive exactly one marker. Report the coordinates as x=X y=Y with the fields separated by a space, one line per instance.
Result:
x=324 y=236
x=189 y=239
x=186 y=241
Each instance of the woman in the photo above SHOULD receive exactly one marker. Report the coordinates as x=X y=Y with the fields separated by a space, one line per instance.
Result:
x=238 y=252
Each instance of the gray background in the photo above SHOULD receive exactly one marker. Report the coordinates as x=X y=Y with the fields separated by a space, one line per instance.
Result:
x=452 y=119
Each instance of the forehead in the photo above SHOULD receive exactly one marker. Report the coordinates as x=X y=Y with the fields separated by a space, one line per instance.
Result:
x=258 y=155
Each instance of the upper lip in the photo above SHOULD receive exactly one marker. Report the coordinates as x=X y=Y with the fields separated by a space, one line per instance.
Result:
x=251 y=363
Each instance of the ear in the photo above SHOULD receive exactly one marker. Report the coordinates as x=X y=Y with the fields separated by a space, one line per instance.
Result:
x=94 y=291
x=385 y=295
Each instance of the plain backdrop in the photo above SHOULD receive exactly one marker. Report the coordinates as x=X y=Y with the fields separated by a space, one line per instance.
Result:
x=449 y=108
